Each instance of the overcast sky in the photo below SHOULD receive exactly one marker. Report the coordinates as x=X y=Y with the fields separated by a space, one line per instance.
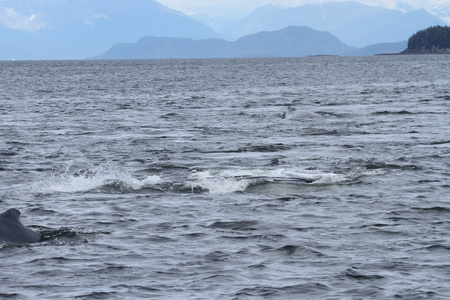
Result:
x=240 y=8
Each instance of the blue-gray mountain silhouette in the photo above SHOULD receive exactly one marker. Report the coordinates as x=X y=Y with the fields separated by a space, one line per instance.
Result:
x=292 y=41
x=353 y=23
x=73 y=29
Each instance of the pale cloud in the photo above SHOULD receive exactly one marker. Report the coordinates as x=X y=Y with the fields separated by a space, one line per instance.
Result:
x=13 y=20
x=90 y=21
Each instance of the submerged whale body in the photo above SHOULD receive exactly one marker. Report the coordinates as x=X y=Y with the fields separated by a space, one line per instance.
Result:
x=294 y=114
x=12 y=231
x=279 y=179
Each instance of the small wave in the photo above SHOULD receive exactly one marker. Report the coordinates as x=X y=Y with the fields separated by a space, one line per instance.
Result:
x=217 y=256
x=302 y=290
x=299 y=250
x=386 y=112
x=234 y=225
x=382 y=165
x=104 y=177
x=440 y=142
x=355 y=274
x=434 y=209
x=54 y=235
x=97 y=295
x=437 y=247
x=66 y=235
x=265 y=148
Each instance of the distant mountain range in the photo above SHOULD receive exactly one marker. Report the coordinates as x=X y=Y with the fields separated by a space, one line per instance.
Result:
x=77 y=29
x=353 y=23
x=293 y=41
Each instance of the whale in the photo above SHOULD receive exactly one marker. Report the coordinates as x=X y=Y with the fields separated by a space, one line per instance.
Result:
x=277 y=179
x=293 y=114
x=12 y=231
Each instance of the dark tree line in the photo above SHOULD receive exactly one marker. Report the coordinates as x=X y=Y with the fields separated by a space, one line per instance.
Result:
x=432 y=39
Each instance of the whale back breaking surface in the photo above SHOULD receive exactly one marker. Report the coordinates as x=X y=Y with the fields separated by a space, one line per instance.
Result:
x=294 y=114
x=12 y=230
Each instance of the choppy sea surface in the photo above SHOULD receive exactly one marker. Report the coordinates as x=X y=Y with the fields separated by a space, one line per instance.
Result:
x=187 y=179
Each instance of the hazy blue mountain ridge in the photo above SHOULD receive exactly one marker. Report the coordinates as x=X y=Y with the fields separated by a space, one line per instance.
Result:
x=76 y=29
x=292 y=41
x=165 y=47
x=353 y=23
x=81 y=28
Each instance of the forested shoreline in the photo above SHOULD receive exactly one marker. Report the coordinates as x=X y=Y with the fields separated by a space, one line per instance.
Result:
x=433 y=40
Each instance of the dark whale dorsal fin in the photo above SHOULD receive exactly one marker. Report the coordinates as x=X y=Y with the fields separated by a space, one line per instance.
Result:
x=13 y=231
x=12 y=214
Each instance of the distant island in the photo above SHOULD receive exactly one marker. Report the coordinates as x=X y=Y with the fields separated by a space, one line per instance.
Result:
x=433 y=40
x=292 y=41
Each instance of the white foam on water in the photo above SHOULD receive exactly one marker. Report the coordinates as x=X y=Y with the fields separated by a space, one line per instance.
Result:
x=229 y=181
x=115 y=179
x=217 y=184
x=91 y=180
x=331 y=178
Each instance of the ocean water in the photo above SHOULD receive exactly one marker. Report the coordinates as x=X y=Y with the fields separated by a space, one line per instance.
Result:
x=184 y=179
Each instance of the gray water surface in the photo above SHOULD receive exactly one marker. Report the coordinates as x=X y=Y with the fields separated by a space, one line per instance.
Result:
x=180 y=179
